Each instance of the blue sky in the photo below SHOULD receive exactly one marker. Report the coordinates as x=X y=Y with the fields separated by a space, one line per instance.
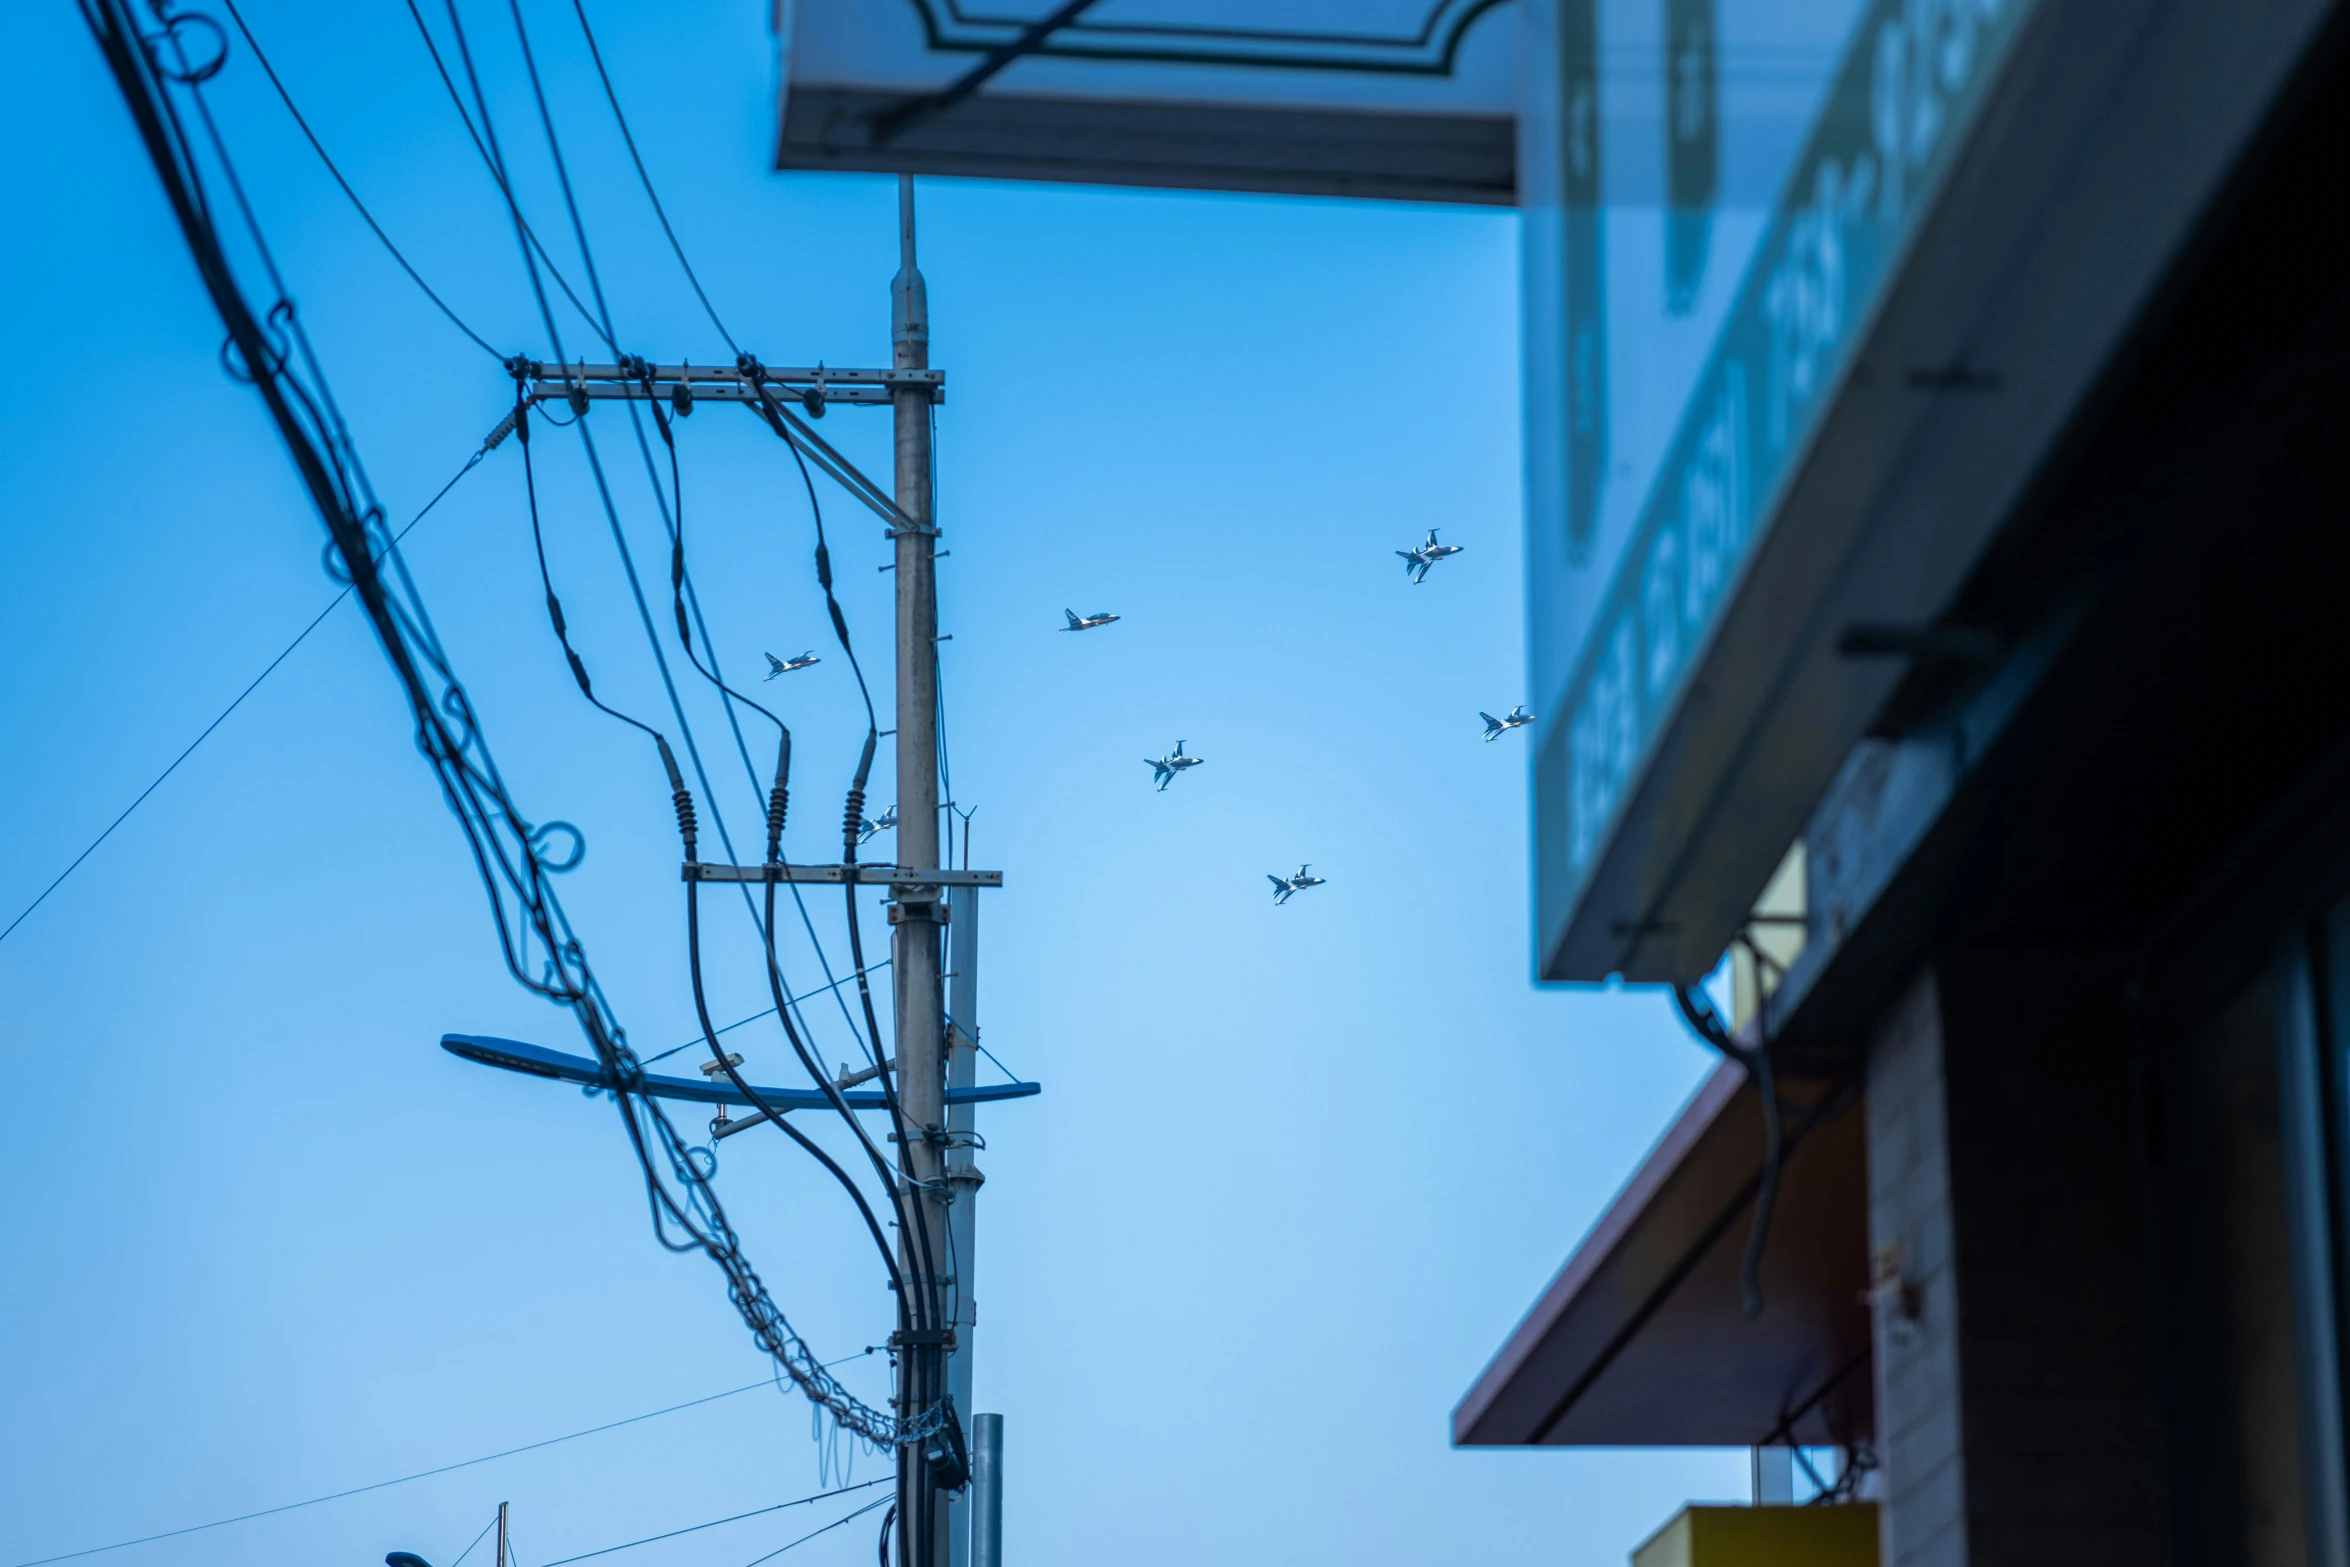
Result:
x=1296 y=1171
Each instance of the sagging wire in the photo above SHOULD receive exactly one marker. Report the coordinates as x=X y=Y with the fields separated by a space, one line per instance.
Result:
x=496 y=169
x=853 y=818
x=449 y=734
x=302 y=124
x=918 y=1303
x=522 y=369
x=681 y=587
x=646 y=179
x=806 y=995
x=1707 y=1024
x=919 y=1371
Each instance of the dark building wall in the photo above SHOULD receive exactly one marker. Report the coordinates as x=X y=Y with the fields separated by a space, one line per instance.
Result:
x=2026 y=1381
x=2223 y=1251
x=1922 y=1515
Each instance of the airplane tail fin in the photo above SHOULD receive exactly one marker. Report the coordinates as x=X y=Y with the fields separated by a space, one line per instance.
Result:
x=1072 y=614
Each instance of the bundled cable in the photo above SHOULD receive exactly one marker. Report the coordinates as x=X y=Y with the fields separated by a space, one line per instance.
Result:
x=271 y=351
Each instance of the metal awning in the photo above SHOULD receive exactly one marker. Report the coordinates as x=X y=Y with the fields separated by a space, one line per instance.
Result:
x=1404 y=99
x=1642 y=1340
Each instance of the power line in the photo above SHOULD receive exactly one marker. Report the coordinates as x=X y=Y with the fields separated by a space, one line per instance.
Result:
x=422 y=1474
x=315 y=623
x=477 y=1539
x=506 y=853
x=365 y=216
x=827 y=1529
x=497 y=170
x=862 y=1485
x=645 y=178
x=766 y=1012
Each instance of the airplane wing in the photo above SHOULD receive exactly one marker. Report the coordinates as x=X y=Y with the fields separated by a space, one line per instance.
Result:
x=1280 y=884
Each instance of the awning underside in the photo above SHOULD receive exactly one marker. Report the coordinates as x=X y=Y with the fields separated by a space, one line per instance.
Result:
x=1643 y=1339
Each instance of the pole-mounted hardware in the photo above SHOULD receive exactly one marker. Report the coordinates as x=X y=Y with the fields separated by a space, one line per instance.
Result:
x=835 y=875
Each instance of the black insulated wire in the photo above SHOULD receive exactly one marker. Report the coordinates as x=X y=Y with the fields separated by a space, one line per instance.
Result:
x=555 y=618
x=493 y=164
x=1701 y=1018
x=336 y=174
x=718 y=1054
x=651 y=195
x=448 y=733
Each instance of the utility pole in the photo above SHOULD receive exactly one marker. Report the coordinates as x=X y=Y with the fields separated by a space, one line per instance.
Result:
x=501 y=1558
x=935 y=1133
x=919 y=910
x=969 y=1512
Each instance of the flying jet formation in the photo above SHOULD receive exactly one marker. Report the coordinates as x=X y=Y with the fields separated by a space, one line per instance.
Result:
x=1416 y=562
x=1079 y=622
x=1516 y=718
x=882 y=823
x=1287 y=887
x=784 y=666
x=1166 y=767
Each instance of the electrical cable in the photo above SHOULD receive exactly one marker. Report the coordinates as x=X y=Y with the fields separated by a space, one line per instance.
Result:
x=522 y=368
x=855 y=810
x=646 y=179
x=1702 y=1020
x=268 y=670
x=756 y=1512
x=422 y=1474
x=827 y=1529
x=555 y=605
x=477 y=1539
x=754 y=1017
x=496 y=169
x=918 y=1302
x=287 y=98
x=918 y=1306
x=504 y=846
x=693 y=925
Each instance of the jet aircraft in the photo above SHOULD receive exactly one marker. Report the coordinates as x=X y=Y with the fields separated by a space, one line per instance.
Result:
x=1516 y=718
x=1166 y=767
x=1079 y=622
x=1287 y=887
x=784 y=666
x=1416 y=562
x=882 y=823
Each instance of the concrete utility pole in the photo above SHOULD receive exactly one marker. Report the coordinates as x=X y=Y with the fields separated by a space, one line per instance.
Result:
x=919 y=911
x=963 y=1181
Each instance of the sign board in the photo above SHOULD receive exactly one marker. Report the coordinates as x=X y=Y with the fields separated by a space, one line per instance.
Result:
x=1409 y=99
x=1716 y=194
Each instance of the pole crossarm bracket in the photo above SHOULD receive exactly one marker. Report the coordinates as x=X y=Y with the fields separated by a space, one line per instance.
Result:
x=767 y=389
x=835 y=875
x=812 y=388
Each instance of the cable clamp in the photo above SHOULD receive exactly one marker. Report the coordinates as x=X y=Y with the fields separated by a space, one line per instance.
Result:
x=912 y=530
x=923 y=1338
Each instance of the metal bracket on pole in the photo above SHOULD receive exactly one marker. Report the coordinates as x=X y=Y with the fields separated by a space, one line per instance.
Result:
x=764 y=387
x=835 y=875
x=813 y=388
